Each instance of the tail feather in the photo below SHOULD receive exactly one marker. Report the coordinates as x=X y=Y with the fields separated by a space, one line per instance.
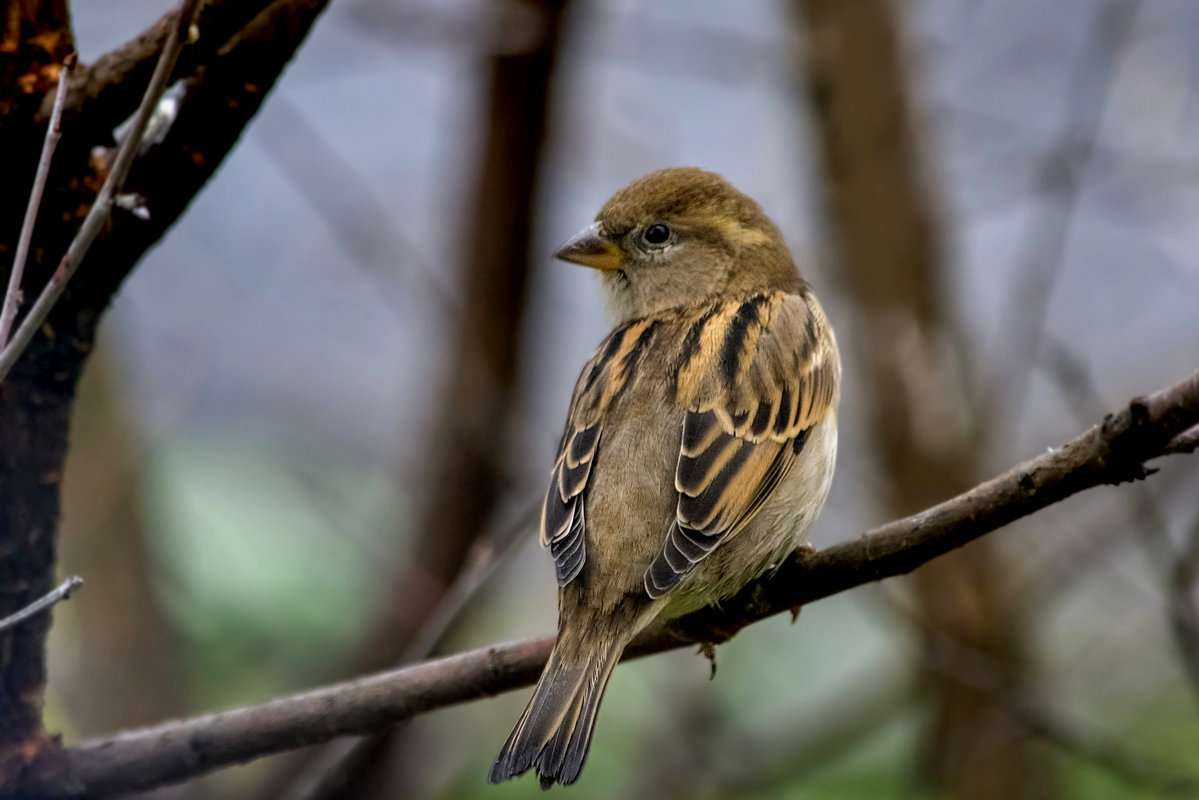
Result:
x=554 y=732
x=552 y=755
x=580 y=737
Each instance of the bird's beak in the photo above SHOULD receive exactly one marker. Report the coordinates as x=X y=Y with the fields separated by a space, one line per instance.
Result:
x=589 y=248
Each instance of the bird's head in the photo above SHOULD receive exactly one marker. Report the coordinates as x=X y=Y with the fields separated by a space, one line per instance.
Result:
x=677 y=238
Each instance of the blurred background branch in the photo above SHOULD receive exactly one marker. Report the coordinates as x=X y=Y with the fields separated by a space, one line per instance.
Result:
x=463 y=458
x=914 y=361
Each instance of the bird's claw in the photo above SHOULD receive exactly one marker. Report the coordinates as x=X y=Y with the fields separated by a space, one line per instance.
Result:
x=708 y=650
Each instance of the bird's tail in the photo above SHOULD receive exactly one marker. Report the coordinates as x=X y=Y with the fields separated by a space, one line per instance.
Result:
x=554 y=732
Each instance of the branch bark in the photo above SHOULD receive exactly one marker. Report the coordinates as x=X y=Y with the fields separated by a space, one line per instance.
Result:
x=222 y=95
x=103 y=94
x=1112 y=452
x=35 y=40
x=101 y=210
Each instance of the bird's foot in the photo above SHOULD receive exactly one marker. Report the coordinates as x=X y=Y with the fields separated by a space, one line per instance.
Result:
x=804 y=551
x=708 y=650
x=708 y=627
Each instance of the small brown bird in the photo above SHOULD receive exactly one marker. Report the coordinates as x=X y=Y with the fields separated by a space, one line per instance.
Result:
x=699 y=444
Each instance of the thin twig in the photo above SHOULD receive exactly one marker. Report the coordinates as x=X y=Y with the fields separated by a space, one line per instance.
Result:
x=344 y=757
x=966 y=664
x=63 y=592
x=12 y=297
x=1110 y=453
x=368 y=232
x=1061 y=177
x=101 y=209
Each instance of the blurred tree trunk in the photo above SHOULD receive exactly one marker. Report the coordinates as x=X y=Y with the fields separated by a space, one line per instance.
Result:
x=222 y=88
x=912 y=358
x=463 y=451
x=113 y=657
x=113 y=661
x=35 y=400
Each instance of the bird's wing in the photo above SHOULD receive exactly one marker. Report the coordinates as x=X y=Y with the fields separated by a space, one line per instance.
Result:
x=563 y=519
x=754 y=376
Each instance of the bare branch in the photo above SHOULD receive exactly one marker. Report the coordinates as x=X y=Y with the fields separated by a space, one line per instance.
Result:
x=1185 y=442
x=63 y=592
x=12 y=297
x=1109 y=453
x=101 y=209
x=106 y=92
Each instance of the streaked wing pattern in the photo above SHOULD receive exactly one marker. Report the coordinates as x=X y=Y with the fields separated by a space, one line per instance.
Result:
x=755 y=376
x=563 y=516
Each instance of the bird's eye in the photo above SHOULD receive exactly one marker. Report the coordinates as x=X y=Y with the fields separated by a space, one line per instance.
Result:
x=656 y=234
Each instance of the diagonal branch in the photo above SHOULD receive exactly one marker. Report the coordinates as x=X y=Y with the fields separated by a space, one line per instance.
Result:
x=104 y=93
x=1112 y=452
x=101 y=209
x=12 y=297
x=63 y=592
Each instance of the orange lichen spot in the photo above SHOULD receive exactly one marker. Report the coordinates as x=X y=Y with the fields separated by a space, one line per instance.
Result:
x=94 y=178
x=50 y=41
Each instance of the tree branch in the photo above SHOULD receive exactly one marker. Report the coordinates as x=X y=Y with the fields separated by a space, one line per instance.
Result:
x=101 y=209
x=1109 y=453
x=222 y=93
x=103 y=94
x=63 y=592
x=1185 y=442
x=12 y=297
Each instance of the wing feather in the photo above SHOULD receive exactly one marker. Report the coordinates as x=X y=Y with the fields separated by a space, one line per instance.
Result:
x=758 y=374
x=604 y=377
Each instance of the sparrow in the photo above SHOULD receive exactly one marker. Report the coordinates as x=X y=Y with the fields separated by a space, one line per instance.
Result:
x=699 y=442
